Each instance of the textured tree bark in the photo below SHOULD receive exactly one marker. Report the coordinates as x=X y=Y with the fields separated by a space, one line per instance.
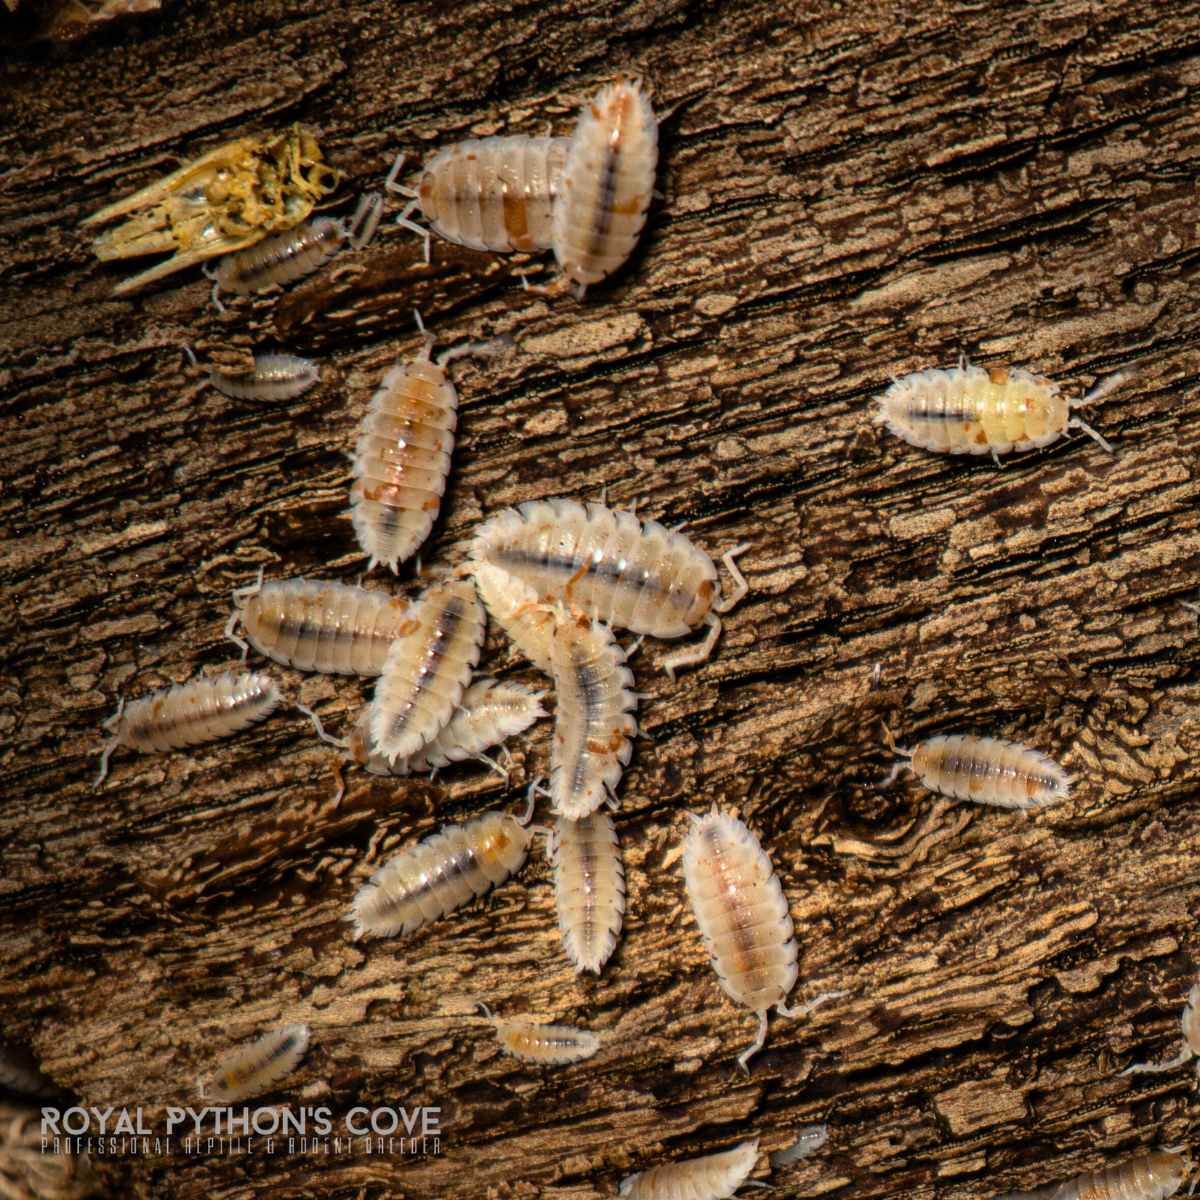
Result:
x=850 y=191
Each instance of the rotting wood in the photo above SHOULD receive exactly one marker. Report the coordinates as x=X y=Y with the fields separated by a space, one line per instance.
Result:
x=860 y=190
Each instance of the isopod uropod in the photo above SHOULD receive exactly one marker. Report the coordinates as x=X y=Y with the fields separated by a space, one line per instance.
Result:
x=190 y=713
x=589 y=888
x=273 y=1057
x=713 y=1177
x=1191 y=1039
x=612 y=567
x=743 y=916
x=984 y=770
x=543 y=1043
x=1152 y=1176
x=314 y=625
x=978 y=410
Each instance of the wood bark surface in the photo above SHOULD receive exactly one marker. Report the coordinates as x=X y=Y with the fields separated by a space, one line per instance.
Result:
x=851 y=191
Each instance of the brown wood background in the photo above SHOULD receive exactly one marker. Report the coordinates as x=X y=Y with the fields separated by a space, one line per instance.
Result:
x=851 y=190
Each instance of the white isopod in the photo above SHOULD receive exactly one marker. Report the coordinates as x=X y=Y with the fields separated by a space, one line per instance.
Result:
x=273 y=1057
x=1191 y=1039
x=433 y=878
x=428 y=669
x=275 y=377
x=190 y=713
x=314 y=625
x=984 y=770
x=808 y=1141
x=515 y=607
x=713 y=1177
x=551 y=1044
x=1152 y=1176
x=615 y=569
x=607 y=183
x=589 y=888
x=743 y=916
x=980 y=410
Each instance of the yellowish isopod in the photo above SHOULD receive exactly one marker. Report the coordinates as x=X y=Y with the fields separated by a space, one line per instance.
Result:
x=273 y=1057
x=1153 y=1176
x=515 y=607
x=589 y=888
x=713 y=1177
x=551 y=1044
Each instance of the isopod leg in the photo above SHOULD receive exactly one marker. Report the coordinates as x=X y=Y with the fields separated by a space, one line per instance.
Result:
x=341 y=784
x=1076 y=423
x=252 y=589
x=325 y=737
x=1138 y=1068
x=234 y=618
x=804 y=1009
x=491 y=762
x=743 y=1059
x=104 y=762
x=891 y=776
x=740 y=586
x=391 y=184
x=689 y=658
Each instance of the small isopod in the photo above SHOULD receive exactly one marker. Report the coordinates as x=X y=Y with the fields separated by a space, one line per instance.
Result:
x=607 y=183
x=743 y=916
x=515 y=607
x=275 y=377
x=551 y=1044
x=313 y=625
x=1152 y=1176
x=428 y=669
x=979 y=410
x=273 y=1057
x=433 y=878
x=984 y=770
x=713 y=1177
x=615 y=569
x=589 y=888
x=1191 y=1039
x=281 y=259
x=190 y=713
x=808 y=1141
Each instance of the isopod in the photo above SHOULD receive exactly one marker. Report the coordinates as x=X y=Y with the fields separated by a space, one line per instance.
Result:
x=1152 y=1176
x=615 y=569
x=433 y=878
x=275 y=377
x=554 y=1044
x=984 y=770
x=428 y=669
x=1191 y=1040
x=273 y=1057
x=808 y=1141
x=190 y=713
x=515 y=607
x=313 y=625
x=281 y=259
x=589 y=888
x=607 y=183
x=743 y=916
x=979 y=410
x=713 y=1177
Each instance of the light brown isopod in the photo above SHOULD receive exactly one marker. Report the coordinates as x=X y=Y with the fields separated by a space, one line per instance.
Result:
x=515 y=607
x=589 y=888
x=1191 y=1040
x=190 y=713
x=273 y=1057
x=1152 y=1176
x=550 y=1044
x=313 y=625
x=713 y=1177
x=743 y=916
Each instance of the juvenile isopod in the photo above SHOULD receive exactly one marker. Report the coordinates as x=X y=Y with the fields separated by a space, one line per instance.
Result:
x=1152 y=1176
x=1191 y=1040
x=743 y=916
x=281 y=259
x=713 y=1177
x=645 y=578
x=433 y=878
x=428 y=669
x=515 y=607
x=981 y=410
x=808 y=1141
x=550 y=1044
x=607 y=183
x=313 y=625
x=275 y=377
x=589 y=888
x=984 y=770
x=190 y=713
x=273 y=1057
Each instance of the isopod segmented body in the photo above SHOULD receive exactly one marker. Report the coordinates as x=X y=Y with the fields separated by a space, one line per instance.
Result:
x=1152 y=1176
x=273 y=1057
x=743 y=916
x=281 y=259
x=275 y=377
x=1191 y=1040
x=515 y=607
x=190 y=713
x=979 y=410
x=433 y=878
x=589 y=888
x=607 y=183
x=555 y=1044
x=594 y=721
x=808 y=1141
x=313 y=625
x=612 y=567
x=713 y=1177
x=428 y=669
x=984 y=770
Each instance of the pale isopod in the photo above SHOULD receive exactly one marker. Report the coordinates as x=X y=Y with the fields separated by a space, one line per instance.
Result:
x=281 y=259
x=275 y=377
x=273 y=1057
x=984 y=770
x=743 y=915
x=312 y=625
x=713 y=1177
x=515 y=607
x=808 y=1141
x=979 y=410
x=190 y=713
x=1191 y=1039
x=615 y=569
x=607 y=183
x=1152 y=1176
x=428 y=669
x=589 y=888
x=554 y=1044
x=433 y=878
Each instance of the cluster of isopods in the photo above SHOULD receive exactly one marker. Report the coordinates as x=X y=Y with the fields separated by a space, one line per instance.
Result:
x=558 y=578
